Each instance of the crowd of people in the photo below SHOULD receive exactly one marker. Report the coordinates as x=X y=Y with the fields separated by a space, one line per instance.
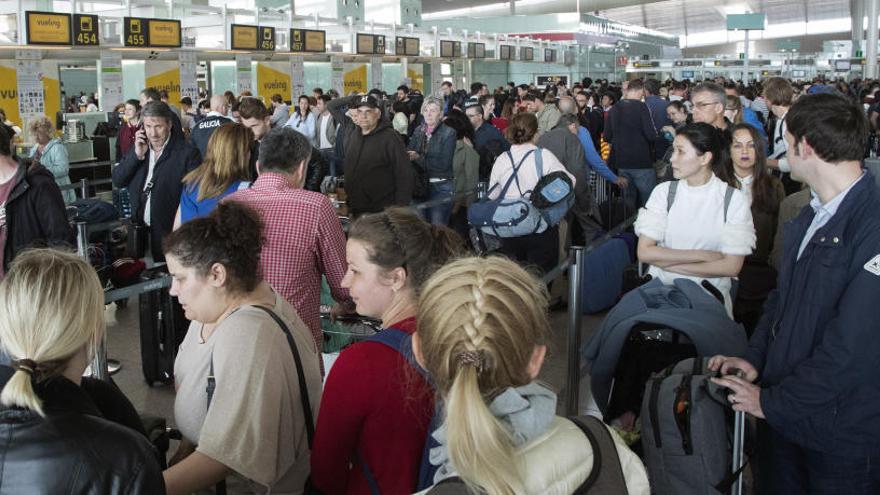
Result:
x=447 y=394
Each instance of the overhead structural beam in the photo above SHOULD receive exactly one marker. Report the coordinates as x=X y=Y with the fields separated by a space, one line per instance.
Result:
x=512 y=7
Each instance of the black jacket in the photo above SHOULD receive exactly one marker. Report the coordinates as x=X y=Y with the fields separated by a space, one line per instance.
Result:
x=631 y=132
x=201 y=133
x=73 y=449
x=178 y=158
x=35 y=212
x=377 y=169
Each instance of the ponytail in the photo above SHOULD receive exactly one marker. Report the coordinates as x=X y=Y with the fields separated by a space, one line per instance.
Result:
x=479 y=446
x=19 y=390
x=42 y=343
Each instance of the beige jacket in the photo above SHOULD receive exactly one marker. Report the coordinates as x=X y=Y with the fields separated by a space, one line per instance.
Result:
x=559 y=461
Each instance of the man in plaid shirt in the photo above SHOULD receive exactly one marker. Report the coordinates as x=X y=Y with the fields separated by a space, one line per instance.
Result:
x=303 y=236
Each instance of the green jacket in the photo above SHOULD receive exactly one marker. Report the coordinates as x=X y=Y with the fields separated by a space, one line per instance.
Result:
x=465 y=171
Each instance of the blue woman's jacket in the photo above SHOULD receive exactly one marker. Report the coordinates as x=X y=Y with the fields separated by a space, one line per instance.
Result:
x=436 y=157
x=55 y=160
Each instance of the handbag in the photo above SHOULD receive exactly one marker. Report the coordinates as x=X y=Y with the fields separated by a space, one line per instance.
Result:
x=508 y=217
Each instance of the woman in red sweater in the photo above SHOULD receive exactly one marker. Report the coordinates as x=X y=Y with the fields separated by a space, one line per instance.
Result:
x=132 y=120
x=376 y=407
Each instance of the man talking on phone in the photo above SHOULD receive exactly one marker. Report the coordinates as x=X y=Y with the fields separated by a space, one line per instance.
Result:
x=153 y=170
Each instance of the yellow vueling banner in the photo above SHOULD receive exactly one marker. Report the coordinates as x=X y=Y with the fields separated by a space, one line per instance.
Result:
x=271 y=79
x=9 y=91
x=164 y=76
x=355 y=78
x=416 y=75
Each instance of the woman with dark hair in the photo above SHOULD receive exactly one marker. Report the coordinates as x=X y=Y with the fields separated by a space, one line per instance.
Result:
x=245 y=368
x=377 y=405
x=697 y=227
x=541 y=249
x=131 y=122
x=302 y=119
x=508 y=110
x=765 y=193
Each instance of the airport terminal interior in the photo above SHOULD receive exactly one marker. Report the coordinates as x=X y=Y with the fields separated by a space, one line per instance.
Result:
x=439 y=246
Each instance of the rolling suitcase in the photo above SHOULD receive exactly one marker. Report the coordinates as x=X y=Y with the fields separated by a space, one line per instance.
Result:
x=603 y=275
x=162 y=327
x=692 y=439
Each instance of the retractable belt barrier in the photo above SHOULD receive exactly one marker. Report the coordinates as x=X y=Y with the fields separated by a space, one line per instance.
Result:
x=574 y=264
x=83 y=186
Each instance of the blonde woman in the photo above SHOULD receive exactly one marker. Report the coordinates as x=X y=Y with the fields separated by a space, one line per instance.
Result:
x=56 y=439
x=51 y=153
x=224 y=170
x=500 y=433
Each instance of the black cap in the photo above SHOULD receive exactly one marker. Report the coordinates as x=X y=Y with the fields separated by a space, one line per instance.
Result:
x=471 y=102
x=365 y=101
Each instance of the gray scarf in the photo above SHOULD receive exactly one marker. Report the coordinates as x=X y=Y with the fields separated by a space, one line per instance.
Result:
x=525 y=411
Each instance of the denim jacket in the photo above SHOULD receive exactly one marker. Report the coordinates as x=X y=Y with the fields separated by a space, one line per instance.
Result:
x=436 y=155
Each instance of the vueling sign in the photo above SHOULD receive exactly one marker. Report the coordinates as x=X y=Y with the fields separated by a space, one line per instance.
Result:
x=164 y=32
x=46 y=28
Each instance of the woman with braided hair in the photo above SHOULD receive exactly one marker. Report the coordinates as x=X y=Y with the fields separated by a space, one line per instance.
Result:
x=377 y=405
x=482 y=337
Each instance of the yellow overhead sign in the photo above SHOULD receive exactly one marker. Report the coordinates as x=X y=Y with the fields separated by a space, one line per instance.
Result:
x=47 y=28
x=244 y=37
x=164 y=32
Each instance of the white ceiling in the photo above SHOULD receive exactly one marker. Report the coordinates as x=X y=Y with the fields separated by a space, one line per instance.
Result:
x=688 y=17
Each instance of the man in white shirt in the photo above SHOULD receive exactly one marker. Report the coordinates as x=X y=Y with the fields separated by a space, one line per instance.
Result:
x=779 y=94
x=325 y=129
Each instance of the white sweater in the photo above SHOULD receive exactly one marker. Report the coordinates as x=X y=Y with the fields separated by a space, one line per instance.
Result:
x=696 y=221
x=528 y=173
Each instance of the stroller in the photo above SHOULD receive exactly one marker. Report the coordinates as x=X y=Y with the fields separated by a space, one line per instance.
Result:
x=651 y=328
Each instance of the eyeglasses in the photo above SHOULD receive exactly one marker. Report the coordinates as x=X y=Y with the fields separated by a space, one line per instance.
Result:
x=706 y=104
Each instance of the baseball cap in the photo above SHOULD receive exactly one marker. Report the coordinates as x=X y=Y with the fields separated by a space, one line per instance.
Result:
x=365 y=101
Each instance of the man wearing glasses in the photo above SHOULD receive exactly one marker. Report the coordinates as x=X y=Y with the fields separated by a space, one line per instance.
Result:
x=708 y=101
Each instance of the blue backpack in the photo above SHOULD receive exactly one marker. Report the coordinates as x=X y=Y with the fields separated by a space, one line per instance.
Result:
x=509 y=217
x=553 y=195
x=401 y=342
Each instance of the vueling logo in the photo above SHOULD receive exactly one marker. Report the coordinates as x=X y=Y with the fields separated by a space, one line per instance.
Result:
x=49 y=23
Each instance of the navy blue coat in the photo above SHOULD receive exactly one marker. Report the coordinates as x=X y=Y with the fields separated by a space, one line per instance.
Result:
x=817 y=348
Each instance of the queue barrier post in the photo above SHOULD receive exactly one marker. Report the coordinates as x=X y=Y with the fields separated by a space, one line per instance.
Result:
x=84 y=188
x=99 y=366
x=575 y=283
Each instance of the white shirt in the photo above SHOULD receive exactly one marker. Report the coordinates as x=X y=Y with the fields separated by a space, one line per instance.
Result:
x=780 y=145
x=745 y=184
x=153 y=157
x=324 y=143
x=696 y=221
x=528 y=172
